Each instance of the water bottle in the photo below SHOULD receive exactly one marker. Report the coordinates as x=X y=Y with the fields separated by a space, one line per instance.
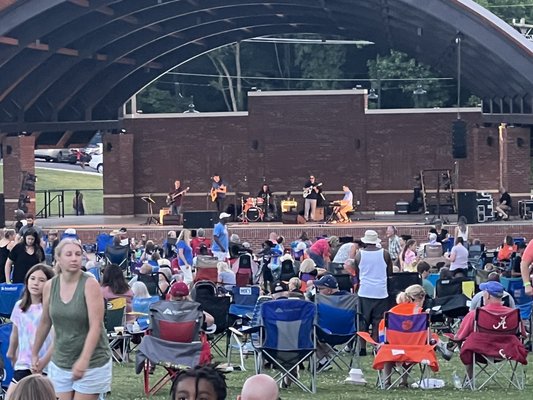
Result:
x=457 y=381
x=135 y=328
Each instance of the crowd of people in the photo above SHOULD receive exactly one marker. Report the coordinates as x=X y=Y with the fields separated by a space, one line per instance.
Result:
x=55 y=308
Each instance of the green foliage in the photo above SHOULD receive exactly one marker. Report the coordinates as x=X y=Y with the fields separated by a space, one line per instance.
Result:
x=154 y=100
x=509 y=9
x=320 y=62
x=398 y=76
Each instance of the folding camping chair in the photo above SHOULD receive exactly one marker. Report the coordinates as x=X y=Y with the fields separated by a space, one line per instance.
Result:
x=114 y=322
x=6 y=370
x=337 y=326
x=287 y=338
x=9 y=294
x=495 y=350
x=205 y=293
x=241 y=312
x=245 y=269
x=206 y=269
x=451 y=303
x=118 y=255
x=406 y=345
x=176 y=342
x=103 y=240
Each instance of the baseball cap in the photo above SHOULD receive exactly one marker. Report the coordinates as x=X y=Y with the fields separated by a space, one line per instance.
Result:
x=224 y=215
x=179 y=289
x=493 y=288
x=328 y=281
x=70 y=231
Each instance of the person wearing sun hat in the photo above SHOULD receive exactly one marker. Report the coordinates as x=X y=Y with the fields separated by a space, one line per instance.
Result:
x=375 y=265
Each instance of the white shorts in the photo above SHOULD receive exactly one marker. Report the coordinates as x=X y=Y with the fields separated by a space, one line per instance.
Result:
x=221 y=255
x=95 y=380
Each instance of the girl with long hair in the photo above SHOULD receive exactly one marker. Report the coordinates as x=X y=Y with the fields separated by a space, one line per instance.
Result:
x=408 y=257
x=26 y=316
x=23 y=256
x=114 y=285
x=74 y=305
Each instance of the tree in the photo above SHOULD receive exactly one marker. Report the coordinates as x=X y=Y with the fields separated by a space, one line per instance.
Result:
x=396 y=77
x=154 y=100
x=509 y=9
x=320 y=62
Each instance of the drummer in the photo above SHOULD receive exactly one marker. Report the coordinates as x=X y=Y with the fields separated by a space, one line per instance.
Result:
x=264 y=198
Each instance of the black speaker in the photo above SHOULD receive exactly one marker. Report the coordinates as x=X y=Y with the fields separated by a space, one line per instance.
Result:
x=171 y=219
x=199 y=219
x=459 y=139
x=467 y=206
x=2 y=211
x=289 y=217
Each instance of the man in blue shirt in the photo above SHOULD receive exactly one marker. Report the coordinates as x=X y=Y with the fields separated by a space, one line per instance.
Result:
x=346 y=205
x=220 y=238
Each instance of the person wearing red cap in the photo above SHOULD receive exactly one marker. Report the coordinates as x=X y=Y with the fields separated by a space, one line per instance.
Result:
x=179 y=291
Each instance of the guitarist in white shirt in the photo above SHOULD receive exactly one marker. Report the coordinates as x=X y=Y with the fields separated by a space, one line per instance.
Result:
x=311 y=191
x=175 y=198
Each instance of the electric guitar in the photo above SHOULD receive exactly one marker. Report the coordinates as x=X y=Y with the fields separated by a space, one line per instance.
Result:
x=307 y=191
x=214 y=192
x=172 y=197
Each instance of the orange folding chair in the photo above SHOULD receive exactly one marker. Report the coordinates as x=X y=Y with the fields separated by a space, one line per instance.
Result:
x=405 y=348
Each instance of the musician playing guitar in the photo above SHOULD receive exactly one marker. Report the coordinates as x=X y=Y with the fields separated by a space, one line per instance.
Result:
x=218 y=192
x=175 y=198
x=344 y=206
x=311 y=191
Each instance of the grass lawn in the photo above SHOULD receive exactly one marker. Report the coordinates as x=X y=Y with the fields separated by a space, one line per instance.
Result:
x=127 y=385
x=48 y=179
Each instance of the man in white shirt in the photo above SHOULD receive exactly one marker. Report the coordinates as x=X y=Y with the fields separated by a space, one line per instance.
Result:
x=346 y=205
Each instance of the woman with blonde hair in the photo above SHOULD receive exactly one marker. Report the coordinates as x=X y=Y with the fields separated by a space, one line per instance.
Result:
x=226 y=276
x=74 y=305
x=184 y=249
x=409 y=302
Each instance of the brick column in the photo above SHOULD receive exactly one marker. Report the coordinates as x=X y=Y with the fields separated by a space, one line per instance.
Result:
x=18 y=158
x=118 y=174
x=515 y=158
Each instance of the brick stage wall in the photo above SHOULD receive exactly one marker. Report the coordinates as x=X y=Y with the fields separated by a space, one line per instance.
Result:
x=286 y=137
x=490 y=234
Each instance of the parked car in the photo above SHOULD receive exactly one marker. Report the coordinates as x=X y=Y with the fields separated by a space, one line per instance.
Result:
x=57 y=155
x=94 y=149
x=97 y=162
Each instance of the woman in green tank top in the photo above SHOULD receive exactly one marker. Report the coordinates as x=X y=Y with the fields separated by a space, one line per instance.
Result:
x=73 y=304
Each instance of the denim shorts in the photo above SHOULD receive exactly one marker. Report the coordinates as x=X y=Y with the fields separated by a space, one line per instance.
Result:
x=95 y=380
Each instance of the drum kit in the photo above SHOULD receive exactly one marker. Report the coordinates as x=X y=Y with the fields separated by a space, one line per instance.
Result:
x=252 y=210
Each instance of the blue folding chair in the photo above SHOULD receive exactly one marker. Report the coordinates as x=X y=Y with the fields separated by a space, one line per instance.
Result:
x=244 y=299
x=287 y=338
x=103 y=240
x=9 y=294
x=6 y=370
x=337 y=326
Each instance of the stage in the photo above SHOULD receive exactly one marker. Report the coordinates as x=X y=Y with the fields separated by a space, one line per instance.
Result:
x=416 y=225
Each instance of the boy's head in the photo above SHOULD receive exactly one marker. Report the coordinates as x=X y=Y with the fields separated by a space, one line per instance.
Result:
x=200 y=382
x=423 y=269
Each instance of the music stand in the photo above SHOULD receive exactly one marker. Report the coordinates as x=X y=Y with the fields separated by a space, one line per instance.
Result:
x=149 y=204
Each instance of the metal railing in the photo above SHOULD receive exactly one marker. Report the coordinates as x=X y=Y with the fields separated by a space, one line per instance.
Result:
x=51 y=203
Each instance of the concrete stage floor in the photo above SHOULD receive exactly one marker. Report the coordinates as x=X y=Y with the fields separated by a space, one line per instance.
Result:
x=416 y=225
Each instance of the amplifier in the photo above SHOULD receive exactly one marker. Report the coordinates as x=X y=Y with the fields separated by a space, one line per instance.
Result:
x=525 y=209
x=401 y=207
x=485 y=207
x=171 y=219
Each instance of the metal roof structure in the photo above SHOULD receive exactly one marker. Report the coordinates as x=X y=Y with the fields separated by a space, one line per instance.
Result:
x=70 y=65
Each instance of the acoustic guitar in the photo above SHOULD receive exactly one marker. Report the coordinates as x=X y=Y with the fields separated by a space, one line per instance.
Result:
x=307 y=191
x=172 y=197
x=214 y=192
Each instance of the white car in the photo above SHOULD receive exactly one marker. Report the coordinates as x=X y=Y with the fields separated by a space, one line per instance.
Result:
x=97 y=162
x=56 y=155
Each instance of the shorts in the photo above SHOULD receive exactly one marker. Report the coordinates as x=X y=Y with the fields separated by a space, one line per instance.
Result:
x=19 y=374
x=372 y=311
x=95 y=381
